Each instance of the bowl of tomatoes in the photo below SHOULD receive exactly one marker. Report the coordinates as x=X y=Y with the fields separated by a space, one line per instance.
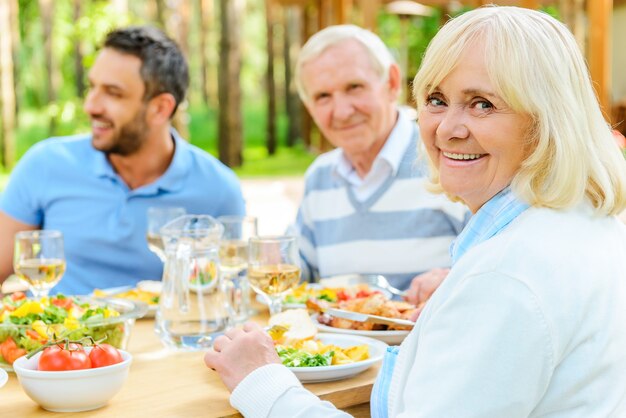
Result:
x=67 y=377
x=26 y=324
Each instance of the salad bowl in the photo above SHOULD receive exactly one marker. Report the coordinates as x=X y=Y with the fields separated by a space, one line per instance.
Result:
x=26 y=324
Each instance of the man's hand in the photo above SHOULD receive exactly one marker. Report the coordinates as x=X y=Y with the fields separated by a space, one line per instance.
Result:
x=423 y=286
x=239 y=352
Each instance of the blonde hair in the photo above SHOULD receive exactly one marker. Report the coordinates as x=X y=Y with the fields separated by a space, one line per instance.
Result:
x=536 y=67
x=379 y=55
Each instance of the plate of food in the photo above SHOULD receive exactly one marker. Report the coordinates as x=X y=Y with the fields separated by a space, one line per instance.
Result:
x=314 y=357
x=375 y=304
x=146 y=291
x=391 y=337
x=298 y=297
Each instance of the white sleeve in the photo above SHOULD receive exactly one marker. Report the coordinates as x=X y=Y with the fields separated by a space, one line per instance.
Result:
x=273 y=391
x=487 y=351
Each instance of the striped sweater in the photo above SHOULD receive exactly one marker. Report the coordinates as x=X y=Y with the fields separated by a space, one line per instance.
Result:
x=400 y=231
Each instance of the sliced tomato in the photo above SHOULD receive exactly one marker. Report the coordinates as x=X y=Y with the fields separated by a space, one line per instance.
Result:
x=10 y=351
x=18 y=296
x=34 y=335
x=341 y=295
x=65 y=303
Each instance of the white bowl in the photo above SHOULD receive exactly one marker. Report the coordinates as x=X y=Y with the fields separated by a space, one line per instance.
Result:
x=73 y=390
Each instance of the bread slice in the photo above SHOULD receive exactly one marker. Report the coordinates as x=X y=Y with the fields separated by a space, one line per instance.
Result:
x=298 y=323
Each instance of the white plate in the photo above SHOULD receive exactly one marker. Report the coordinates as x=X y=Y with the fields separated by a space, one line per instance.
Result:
x=146 y=285
x=4 y=377
x=328 y=373
x=393 y=337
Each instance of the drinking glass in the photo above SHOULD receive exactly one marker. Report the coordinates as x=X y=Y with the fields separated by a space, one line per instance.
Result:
x=157 y=217
x=234 y=260
x=39 y=260
x=273 y=267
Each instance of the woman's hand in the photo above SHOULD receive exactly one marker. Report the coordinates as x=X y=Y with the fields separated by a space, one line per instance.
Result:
x=423 y=286
x=239 y=352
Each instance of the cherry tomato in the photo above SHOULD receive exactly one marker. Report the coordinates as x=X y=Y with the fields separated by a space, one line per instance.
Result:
x=104 y=355
x=57 y=358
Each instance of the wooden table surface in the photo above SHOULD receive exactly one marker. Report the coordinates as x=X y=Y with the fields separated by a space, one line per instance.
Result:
x=163 y=383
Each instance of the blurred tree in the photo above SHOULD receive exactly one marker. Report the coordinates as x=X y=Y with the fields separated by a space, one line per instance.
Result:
x=293 y=107
x=229 y=88
x=270 y=139
x=7 y=86
x=78 y=53
x=47 y=20
x=205 y=8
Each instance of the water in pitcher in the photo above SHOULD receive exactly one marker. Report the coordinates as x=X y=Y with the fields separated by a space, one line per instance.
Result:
x=193 y=309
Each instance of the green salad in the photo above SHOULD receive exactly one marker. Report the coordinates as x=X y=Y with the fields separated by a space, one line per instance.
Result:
x=27 y=324
x=295 y=357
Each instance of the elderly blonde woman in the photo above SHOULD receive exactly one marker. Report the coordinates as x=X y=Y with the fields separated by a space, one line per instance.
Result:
x=531 y=321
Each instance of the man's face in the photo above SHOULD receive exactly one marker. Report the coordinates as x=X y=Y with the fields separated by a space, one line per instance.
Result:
x=115 y=103
x=349 y=101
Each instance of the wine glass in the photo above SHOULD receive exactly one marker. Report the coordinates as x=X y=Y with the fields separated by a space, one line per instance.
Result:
x=39 y=260
x=273 y=267
x=234 y=260
x=157 y=217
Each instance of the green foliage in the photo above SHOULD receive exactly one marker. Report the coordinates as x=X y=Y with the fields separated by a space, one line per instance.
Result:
x=420 y=30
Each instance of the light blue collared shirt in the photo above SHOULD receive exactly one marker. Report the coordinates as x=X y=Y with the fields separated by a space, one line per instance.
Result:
x=67 y=185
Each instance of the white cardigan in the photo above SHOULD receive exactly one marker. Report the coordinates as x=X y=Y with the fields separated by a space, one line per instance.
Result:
x=531 y=323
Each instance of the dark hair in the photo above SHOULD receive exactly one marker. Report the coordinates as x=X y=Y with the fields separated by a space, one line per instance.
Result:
x=163 y=66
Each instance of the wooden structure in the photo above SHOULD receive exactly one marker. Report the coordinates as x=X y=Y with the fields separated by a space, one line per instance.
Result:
x=589 y=21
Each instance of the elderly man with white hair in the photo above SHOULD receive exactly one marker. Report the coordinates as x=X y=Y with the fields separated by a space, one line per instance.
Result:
x=366 y=208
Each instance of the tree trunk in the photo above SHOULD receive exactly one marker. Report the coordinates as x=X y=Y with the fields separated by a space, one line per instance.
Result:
x=47 y=15
x=229 y=88
x=271 y=84
x=160 y=12
x=7 y=88
x=78 y=53
x=15 y=45
x=290 y=50
x=205 y=12
x=177 y=24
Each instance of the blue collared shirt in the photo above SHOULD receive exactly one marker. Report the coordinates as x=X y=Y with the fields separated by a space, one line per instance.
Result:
x=490 y=219
x=66 y=184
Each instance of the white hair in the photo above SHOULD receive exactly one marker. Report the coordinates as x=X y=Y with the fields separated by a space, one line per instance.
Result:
x=380 y=56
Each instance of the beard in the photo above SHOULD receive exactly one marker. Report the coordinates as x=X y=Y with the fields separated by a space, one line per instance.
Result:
x=129 y=138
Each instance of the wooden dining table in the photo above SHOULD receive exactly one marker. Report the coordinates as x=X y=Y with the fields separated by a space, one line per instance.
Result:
x=165 y=383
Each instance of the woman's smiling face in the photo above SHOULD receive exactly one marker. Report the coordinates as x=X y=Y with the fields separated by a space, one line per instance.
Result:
x=475 y=141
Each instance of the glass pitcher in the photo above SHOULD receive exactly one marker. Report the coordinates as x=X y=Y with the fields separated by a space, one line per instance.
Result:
x=193 y=309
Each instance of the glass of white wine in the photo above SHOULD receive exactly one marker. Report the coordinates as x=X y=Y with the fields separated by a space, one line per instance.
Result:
x=233 y=256
x=273 y=267
x=39 y=260
x=158 y=216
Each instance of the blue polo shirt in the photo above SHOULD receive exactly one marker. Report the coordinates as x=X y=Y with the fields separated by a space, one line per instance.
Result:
x=65 y=184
